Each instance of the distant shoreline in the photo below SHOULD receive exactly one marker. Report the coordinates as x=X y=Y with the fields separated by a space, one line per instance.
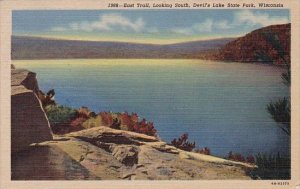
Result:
x=228 y=62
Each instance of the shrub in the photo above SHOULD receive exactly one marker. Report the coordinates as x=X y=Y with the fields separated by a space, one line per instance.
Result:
x=126 y=119
x=77 y=124
x=92 y=122
x=133 y=124
x=238 y=157
x=235 y=157
x=128 y=122
x=145 y=127
x=272 y=161
x=205 y=151
x=183 y=143
x=92 y=114
x=116 y=124
x=83 y=112
x=272 y=166
x=62 y=117
x=47 y=99
x=59 y=116
x=106 y=118
x=250 y=159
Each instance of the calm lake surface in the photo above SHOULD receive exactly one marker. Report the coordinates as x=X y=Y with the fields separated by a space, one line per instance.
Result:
x=220 y=105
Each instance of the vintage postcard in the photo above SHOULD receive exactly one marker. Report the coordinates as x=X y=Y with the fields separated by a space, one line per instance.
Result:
x=164 y=94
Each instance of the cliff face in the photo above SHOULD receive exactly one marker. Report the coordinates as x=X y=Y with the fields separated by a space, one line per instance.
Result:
x=266 y=45
x=29 y=123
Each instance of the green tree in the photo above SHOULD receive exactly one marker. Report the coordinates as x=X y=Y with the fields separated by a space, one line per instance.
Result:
x=280 y=110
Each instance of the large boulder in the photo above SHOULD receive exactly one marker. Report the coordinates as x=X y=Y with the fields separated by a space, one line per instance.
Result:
x=29 y=123
x=25 y=78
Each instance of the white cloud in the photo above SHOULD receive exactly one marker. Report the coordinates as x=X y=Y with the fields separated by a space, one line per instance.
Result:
x=106 y=22
x=185 y=31
x=206 y=26
x=118 y=22
x=261 y=19
x=244 y=18
x=223 y=24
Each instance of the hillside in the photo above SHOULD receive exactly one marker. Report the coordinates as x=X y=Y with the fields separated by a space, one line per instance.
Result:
x=43 y=48
x=266 y=45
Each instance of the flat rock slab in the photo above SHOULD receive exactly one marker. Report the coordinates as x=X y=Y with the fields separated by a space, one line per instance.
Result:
x=106 y=134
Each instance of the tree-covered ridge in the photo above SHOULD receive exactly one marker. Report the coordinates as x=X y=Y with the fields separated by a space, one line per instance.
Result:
x=266 y=45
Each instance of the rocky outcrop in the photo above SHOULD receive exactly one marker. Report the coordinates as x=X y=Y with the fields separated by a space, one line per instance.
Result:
x=266 y=45
x=25 y=78
x=139 y=157
x=29 y=123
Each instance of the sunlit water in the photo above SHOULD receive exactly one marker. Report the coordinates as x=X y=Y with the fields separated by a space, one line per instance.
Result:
x=220 y=105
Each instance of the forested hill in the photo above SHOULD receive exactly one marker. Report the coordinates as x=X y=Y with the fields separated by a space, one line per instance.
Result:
x=270 y=44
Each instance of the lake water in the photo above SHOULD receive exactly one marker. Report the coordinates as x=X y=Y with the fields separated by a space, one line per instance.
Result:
x=220 y=105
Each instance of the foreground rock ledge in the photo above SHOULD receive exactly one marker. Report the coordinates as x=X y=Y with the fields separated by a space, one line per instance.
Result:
x=102 y=153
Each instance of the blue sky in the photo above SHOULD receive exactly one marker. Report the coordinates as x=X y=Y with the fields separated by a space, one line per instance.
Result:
x=147 y=26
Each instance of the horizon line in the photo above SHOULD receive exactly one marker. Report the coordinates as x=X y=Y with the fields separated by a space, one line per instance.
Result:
x=144 y=42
